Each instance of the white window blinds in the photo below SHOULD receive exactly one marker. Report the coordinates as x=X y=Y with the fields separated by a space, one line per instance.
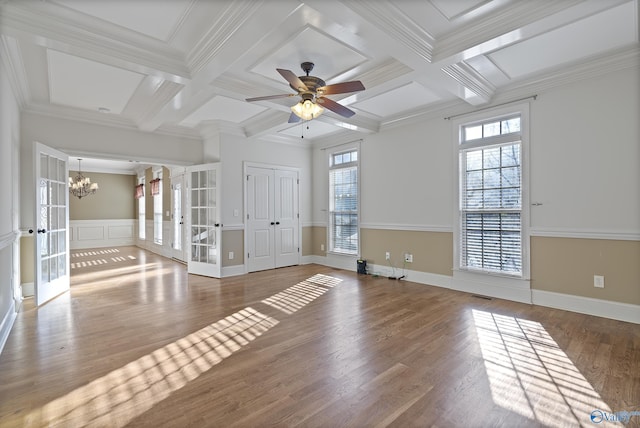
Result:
x=491 y=197
x=343 y=202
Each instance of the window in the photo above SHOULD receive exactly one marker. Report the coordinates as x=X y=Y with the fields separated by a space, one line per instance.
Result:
x=491 y=232
x=343 y=202
x=141 y=209
x=156 y=191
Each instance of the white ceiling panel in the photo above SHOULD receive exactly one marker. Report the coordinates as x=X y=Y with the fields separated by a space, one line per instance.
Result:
x=310 y=130
x=407 y=97
x=81 y=83
x=158 y=21
x=453 y=9
x=169 y=65
x=329 y=55
x=610 y=29
x=223 y=108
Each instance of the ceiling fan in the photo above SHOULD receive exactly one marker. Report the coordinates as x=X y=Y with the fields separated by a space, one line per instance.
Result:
x=312 y=90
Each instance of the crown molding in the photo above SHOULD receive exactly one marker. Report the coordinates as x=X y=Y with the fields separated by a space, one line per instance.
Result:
x=265 y=122
x=228 y=23
x=466 y=76
x=497 y=24
x=69 y=31
x=215 y=128
x=95 y=118
x=594 y=67
x=287 y=140
x=382 y=73
x=12 y=60
x=388 y=18
x=154 y=104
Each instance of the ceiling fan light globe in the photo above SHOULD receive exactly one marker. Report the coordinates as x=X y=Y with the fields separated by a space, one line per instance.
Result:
x=307 y=110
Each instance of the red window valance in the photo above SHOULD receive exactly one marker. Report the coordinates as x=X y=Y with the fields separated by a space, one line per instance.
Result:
x=155 y=187
x=139 y=191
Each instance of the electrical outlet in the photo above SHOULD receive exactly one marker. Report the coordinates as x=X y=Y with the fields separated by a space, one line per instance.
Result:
x=231 y=255
x=321 y=247
x=387 y=256
x=408 y=258
x=598 y=281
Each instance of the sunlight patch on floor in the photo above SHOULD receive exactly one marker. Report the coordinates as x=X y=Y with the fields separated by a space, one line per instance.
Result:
x=298 y=296
x=531 y=375
x=123 y=394
x=88 y=253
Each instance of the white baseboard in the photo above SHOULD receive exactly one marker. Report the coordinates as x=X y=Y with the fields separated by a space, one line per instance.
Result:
x=28 y=289
x=586 y=305
x=425 y=278
x=307 y=260
x=338 y=261
x=233 y=270
x=500 y=287
x=7 y=323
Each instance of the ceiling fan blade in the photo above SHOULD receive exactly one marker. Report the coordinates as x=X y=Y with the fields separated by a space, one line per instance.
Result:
x=341 y=88
x=270 y=97
x=335 y=107
x=293 y=80
x=294 y=118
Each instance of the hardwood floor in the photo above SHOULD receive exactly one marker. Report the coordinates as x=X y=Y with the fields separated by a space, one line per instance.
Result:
x=138 y=342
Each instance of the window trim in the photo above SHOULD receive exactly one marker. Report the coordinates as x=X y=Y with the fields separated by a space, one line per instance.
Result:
x=503 y=112
x=158 y=174
x=142 y=219
x=335 y=150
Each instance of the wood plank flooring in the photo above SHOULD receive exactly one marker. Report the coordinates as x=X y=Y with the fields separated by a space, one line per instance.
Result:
x=138 y=342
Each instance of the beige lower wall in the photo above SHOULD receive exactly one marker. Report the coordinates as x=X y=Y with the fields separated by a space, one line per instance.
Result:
x=567 y=265
x=559 y=265
x=317 y=236
x=233 y=240
x=432 y=251
x=27 y=265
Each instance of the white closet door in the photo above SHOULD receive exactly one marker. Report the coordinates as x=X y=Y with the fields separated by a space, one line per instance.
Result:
x=287 y=250
x=260 y=220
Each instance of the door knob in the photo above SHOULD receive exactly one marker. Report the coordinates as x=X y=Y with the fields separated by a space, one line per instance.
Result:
x=272 y=223
x=42 y=230
x=277 y=222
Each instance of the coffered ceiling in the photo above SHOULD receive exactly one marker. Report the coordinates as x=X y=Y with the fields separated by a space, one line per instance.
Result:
x=181 y=66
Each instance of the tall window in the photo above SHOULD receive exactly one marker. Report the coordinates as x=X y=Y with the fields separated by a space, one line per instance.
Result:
x=491 y=234
x=343 y=202
x=141 y=209
x=156 y=191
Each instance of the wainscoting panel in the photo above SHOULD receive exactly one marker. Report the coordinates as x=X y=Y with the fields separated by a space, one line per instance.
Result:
x=100 y=233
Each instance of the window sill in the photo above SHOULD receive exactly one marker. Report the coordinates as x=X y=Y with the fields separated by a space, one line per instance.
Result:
x=340 y=253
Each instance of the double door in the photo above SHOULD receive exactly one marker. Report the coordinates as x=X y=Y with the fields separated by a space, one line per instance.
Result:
x=273 y=223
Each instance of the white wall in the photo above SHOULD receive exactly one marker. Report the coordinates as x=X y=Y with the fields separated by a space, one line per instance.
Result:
x=234 y=151
x=407 y=177
x=80 y=137
x=585 y=154
x=585 y=164
x=9 y=233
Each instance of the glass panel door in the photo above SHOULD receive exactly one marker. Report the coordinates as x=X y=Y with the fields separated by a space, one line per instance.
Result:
x=52 y=221
x=205 y=230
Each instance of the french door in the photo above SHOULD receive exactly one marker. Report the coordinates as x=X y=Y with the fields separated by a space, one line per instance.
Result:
x=52 y=223
x=272 y=218
x=203 y=220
